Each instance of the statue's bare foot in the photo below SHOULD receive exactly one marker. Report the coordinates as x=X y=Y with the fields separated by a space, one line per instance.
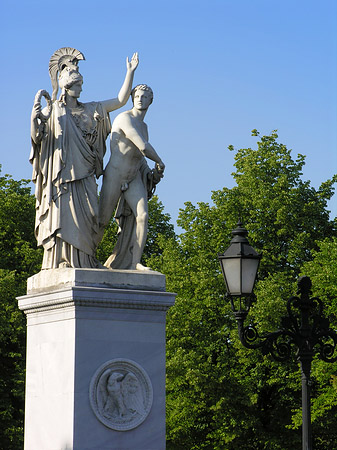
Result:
x=140 y=266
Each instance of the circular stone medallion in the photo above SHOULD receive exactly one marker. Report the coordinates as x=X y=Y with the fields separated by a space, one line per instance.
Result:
x=121 y=394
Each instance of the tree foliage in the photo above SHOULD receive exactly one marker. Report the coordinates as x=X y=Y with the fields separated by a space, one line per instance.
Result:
x=220 y=395
x=322 y=270
x=19 y=260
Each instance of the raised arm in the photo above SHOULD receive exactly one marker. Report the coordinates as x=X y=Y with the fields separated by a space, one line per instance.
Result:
x=125 y=91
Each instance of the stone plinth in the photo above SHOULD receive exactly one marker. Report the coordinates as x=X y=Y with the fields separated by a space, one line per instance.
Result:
x=95 y=360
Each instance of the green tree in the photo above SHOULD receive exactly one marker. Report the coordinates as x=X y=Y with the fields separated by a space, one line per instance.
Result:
x=19 y=260
x=220 y=395
x=323 y=273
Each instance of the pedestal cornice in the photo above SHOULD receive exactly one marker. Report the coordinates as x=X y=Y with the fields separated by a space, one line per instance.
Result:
x=96 y=297
x=99 y=288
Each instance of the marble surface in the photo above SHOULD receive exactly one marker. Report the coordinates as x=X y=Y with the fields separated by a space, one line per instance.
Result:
x=128 y=182
x=71 y=333
x=55 y=279
x=68 y=146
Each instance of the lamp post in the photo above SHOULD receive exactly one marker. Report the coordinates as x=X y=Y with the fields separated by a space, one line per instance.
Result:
x=304 y=327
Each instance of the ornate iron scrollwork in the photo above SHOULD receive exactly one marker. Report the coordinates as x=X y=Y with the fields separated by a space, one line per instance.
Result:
x=305 y=327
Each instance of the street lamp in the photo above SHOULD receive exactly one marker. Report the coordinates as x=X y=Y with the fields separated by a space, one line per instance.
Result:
x=305 y=326
x=239 y=265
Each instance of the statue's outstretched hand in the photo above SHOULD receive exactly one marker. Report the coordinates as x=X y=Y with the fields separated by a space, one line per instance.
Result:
x=132 y=65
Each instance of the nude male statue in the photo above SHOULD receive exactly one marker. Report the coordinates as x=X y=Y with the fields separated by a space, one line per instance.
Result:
x=127 y=176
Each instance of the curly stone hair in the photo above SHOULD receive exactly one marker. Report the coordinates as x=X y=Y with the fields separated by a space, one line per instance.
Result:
x=142 y=87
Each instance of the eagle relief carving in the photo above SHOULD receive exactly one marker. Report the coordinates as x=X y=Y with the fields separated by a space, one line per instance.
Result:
x=121 y=394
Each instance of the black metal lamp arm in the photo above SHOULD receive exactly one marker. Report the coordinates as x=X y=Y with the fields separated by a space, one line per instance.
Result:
x=304 y=327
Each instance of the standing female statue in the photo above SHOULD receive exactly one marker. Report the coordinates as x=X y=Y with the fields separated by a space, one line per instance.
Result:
x=68 y=145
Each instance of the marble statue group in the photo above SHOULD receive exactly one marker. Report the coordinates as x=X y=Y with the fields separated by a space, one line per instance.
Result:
x=68 y=146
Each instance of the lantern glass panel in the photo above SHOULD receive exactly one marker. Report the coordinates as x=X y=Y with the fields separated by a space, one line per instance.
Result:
x=232 y=271
x=249 y=271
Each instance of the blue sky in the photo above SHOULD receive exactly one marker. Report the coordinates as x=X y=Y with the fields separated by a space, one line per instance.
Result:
x=218 y=68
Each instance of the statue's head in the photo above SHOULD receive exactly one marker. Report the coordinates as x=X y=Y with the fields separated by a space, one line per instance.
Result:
x=142 y=96
x=68 y=77
x=70 y=80
x=63 y=69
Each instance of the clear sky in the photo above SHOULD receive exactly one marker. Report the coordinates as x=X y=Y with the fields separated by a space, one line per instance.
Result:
x=218 y=69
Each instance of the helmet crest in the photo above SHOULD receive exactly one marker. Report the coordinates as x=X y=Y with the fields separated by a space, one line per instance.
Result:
x=65 y=56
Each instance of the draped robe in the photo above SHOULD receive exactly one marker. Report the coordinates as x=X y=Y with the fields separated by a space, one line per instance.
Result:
x=65 y=166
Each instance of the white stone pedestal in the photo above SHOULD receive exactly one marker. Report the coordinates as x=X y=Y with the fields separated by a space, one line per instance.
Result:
x=95 y=360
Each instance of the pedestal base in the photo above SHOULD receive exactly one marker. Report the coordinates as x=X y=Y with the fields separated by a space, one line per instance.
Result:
x=95 y=360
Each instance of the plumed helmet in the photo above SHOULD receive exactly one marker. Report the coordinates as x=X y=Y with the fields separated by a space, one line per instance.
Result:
x=62 y=58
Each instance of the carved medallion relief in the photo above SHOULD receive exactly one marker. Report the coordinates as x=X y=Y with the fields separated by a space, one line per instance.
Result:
x=121 y=394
